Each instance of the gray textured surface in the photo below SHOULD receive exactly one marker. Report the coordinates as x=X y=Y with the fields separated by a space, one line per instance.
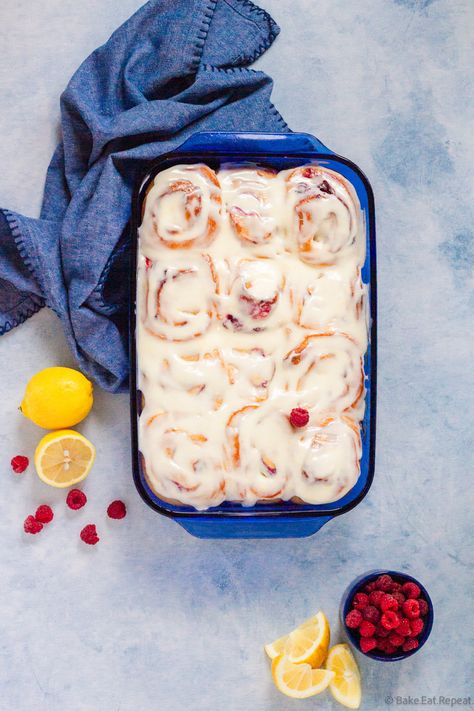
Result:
x=152 y=618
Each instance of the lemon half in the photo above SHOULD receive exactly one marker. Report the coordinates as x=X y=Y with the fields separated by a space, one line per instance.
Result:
x=64 y=458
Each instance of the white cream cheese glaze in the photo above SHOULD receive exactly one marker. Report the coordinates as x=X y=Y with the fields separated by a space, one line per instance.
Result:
x=250 y=303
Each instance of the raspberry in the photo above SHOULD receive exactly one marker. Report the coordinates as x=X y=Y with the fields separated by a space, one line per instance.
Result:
x=411 y=590
x=371 y=614
x=410 y=644
x=395 y=587
x=388 y=603
x=360 y=600
x=44 y=514
x=353 y=619
x=89 y=534
x=116 y=509
x=404 y=628
x=148 y=263
x=367 y=644
x=384 y=583
x=416 y=627
x=366 y=629
x=423 y=607
x=385 y=646
x=411 y=608
x=76 y=499
x=19 y=463
x=390 y=620
x=381 y=631
x=399 y=597
x=299 y=417
x=31 y=525
x=375 y=597
x=370 y=587
x=396 y=639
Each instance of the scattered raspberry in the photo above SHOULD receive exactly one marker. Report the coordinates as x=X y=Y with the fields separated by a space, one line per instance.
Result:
x=367 y=644
x=390 y=620
x=371 y=614
x=360 y=600
x=44 y=514
x=396 y=639
x=366 y=629
x=423 y=607
x=19 y=463
x=404 y=628
x=76 y=499
x=388 y=603
x=411 y=590
x=410 y=644
x=381 y=631
x=116 y=509
x=411 y=609
x=299 y=417
x=89 y=534
x=384 y=583
x=399 y=597
x=353 y=619
x=416 y=627
x=31 y=525
x=375 y=597
x=370 y=587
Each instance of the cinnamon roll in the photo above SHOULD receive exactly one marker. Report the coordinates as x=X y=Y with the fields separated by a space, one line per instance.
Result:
x=183 y=207
x=248 y=197
x=322 y=215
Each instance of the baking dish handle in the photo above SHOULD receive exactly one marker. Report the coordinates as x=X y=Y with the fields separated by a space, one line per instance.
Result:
x=253 y=527
x=254 y=142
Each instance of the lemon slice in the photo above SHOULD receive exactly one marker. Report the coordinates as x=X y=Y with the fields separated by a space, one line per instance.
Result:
x=345 y=687
x=307 y=644
x=299 y=680
x=64 y=458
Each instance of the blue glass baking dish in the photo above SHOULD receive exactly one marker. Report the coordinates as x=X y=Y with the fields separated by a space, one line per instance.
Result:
x=269 y=520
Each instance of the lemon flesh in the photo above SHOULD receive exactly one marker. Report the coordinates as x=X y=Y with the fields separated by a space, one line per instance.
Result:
x=57 y=397
x=64 y=458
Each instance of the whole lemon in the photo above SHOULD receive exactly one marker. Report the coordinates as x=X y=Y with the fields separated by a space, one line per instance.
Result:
x=57 y=397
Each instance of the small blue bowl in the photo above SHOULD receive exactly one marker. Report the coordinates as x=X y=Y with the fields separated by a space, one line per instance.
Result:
x=357 y=585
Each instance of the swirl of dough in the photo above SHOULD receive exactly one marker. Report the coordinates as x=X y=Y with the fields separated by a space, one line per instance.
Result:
x=178 y=297
x=182 y=462
x=183 y=208
x=331 y=464
x=326 y=371
x=255 y=300
x=258 y=452
x=322 y=217
x=247 y=194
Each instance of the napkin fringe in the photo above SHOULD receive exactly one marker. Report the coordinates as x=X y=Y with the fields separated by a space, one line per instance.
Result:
x=202 y=33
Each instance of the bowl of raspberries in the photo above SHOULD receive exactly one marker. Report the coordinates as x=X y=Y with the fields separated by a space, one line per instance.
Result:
x=387 y=615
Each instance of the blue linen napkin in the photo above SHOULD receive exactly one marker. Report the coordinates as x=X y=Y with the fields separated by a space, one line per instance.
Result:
x=174 y=68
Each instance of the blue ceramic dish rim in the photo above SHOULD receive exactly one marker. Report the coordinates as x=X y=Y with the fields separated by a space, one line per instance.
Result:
x=367 y=578
x=180 y=155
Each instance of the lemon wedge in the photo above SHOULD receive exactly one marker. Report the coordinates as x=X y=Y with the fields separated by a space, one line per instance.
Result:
x=299 y=681
x=64 y=458
x=345 y=686
x=307 y=644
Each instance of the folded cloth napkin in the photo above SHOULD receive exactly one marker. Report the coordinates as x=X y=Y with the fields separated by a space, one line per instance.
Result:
x=174 y=68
